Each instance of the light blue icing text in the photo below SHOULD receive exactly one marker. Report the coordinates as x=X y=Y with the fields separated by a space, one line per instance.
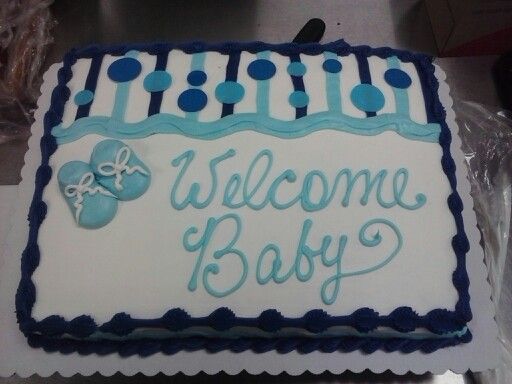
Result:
x=303 y=266
x=241 y=189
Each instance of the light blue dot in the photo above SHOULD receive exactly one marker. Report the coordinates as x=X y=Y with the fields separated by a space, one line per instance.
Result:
x=83 y=97
x=133 y=53
x=261 y=69
x=331 y=66
x=229 y=92
x=397 y=78
x=196 y=78
x=124 y=69
x=298 y=99
x=296 y=69
x=367 y=98
x=192 y=100
x=157 y=81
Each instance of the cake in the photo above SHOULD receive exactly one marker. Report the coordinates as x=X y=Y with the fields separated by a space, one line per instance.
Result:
x=245 y=196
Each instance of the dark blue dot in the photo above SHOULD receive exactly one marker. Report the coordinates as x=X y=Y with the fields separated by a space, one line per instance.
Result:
x=367 y=98
x=124 y=69
x=331 y=66
x=296 y=69
x=229 y=92
x=397 y=78
x=192 y=100
x=83 y=97
x=261 y=69
x=157 y=81
x=196 y=78
x=298 y=99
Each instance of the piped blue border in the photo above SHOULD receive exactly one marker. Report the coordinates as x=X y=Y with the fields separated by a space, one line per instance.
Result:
x=45 y=333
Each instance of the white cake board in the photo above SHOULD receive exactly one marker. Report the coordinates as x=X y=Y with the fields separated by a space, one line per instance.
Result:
x=17 y=357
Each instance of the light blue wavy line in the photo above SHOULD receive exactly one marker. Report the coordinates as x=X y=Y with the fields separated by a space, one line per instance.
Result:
x=167 y=123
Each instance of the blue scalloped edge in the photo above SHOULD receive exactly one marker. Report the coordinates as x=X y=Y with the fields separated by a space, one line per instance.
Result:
x=45 y=333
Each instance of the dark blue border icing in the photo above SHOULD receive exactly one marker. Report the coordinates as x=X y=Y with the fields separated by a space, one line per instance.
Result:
x=90 y=85
x=148 y=347
x=45 y=333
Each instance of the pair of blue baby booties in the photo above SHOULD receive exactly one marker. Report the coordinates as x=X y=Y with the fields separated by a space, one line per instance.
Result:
x=92 y=190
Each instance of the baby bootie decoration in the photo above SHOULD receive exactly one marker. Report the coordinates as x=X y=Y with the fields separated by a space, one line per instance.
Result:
x=119 y=170
x=92 y=205
x=92 y=190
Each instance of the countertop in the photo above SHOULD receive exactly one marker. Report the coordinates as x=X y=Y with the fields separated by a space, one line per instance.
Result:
x=402 y=24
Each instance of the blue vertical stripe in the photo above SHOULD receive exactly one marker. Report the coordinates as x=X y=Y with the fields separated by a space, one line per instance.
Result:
x=90 y=84
x=333 y=86
x=231 y=75
x=401 y=95
x=156 y=97
x=364 y=74
x=197 y=64
x=122 y=93
x=263 y=88
x=298 y=85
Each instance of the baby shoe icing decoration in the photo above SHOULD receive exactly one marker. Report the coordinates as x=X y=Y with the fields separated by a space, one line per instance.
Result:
x=119 y=170
x=92 y=205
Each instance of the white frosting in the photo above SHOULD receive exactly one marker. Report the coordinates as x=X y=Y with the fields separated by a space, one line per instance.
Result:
x=103 y=101
x=75 y=85
x=315 y=83
x=137 y=263
x=178 y=65
x=248 y=103
x=417 y=110
x=137 y=107
x=377 y=68
x=215 y=67
x=280 y=89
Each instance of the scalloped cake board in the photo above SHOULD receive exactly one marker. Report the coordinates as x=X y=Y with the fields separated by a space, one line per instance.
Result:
x=17 y=357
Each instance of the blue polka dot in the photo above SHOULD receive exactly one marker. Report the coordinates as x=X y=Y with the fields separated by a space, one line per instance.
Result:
x=124 y=69
x=331 y=66
x=196 y=78
x=157 y=81
x=397 y=78
x=83 y=97
x=296 y=69
x=192 y=100
x=298 y=99
x=367 y=97
x=229 y=92
x=261 y=69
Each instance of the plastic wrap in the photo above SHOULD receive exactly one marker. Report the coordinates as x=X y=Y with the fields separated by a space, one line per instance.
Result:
x=486 y=135
x=24 y=36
